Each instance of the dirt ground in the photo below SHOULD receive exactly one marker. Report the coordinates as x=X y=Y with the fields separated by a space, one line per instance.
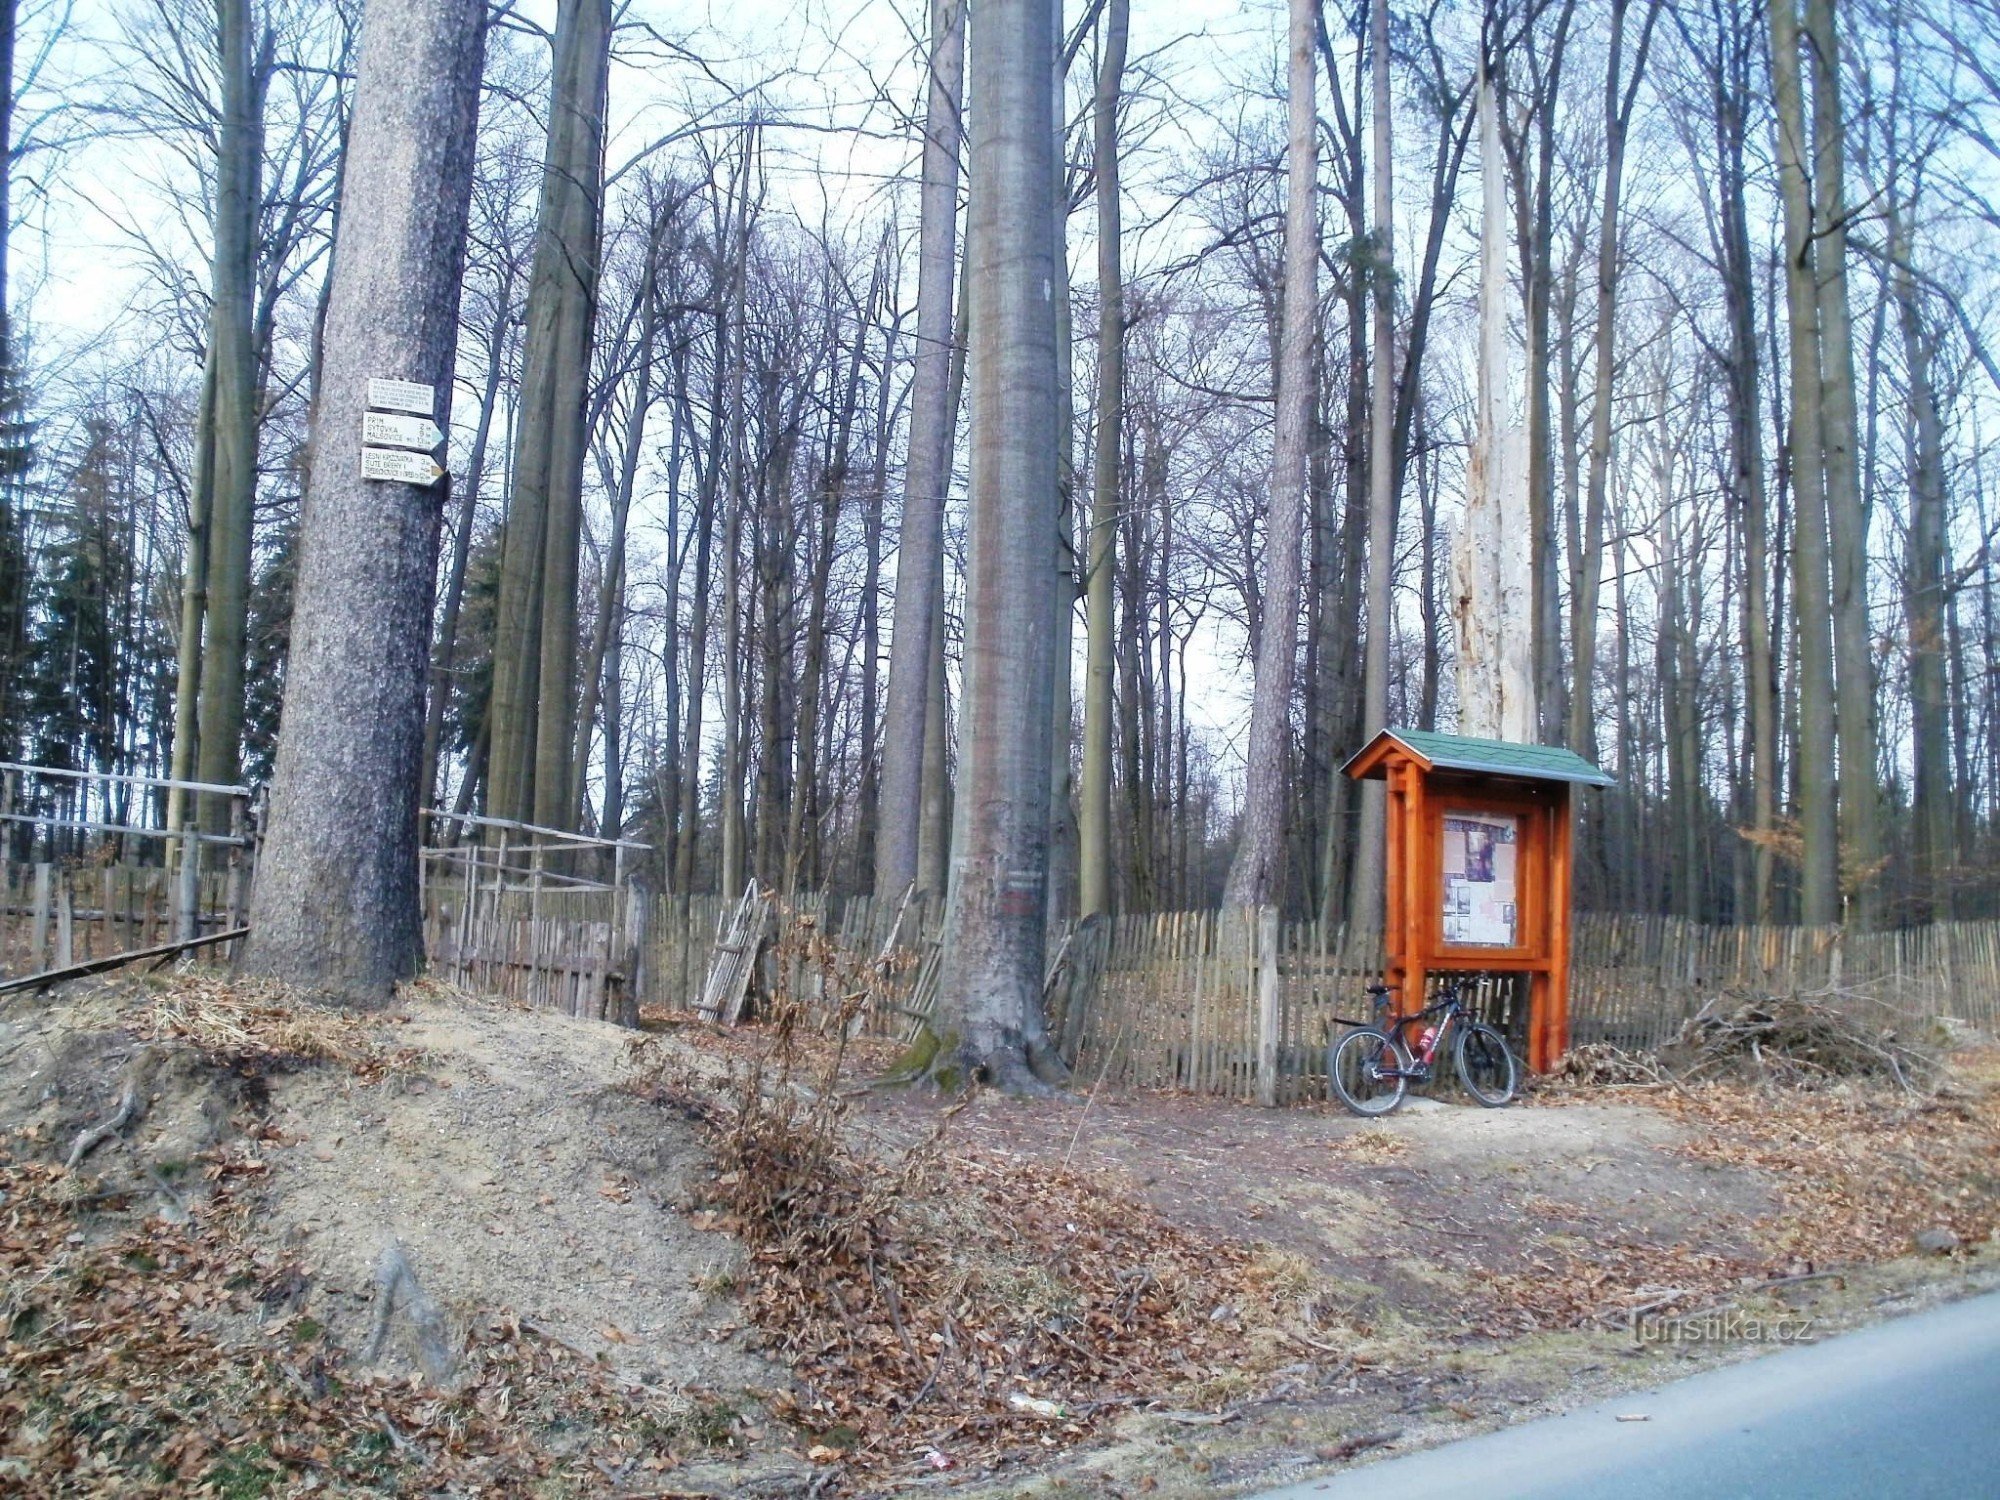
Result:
x=1376 y=1285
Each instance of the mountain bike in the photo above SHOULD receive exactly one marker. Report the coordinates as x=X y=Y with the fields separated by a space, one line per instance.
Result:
x=1370 y=1068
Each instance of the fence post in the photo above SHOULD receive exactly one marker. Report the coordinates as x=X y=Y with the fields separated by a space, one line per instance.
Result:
x=187 y=900
x=65 y=927
x=240 y=861
x=38 y=932
x=638 y=911
x=1267 y=1006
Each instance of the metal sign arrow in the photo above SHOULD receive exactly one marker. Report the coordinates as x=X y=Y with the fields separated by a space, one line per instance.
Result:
x=400 y=432
x=401 y=466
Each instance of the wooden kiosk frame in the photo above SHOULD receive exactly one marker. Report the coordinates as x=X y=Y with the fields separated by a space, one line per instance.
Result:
x=1478 y=869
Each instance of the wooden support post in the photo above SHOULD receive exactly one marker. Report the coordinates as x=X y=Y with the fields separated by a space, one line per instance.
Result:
x=38 y=931
x=187 y=902
x=239 y=862
x=65 y=927
x=1266 y=940
x=638 y=913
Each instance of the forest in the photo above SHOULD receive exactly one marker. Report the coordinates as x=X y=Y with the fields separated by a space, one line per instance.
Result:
x=711 y=572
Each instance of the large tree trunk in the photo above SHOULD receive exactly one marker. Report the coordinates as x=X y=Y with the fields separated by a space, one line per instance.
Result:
x=534 y=644
x=989 y=1016
x=1256 y=876
x=445 y=653
x=1494 y=559
x=1364 y=900
x=335 y=908
x=232 y=414
x=1819 y=893
x=1846 y=510
x=927 y=472
x=1094 y=820
x=1618 y=100
x=1932 y=846
x=1066 y=585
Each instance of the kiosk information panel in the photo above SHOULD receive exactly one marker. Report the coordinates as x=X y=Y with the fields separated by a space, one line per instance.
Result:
x=1480 y=906
x=1479 y=867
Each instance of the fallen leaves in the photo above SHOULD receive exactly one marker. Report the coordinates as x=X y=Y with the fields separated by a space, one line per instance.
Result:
x=154 y=1360
x=953 y=1301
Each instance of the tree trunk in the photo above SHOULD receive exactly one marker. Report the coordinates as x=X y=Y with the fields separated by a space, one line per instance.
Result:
x=445 y=653
x=1256 y=876
x=335 y=907
x=233 y=414
x=1494 y=561
x=989 y=1016
x=534 y=645
x=1364 y=901
x=1846 y=509
x=1924 y=602
x=1094 y=821
x=927 y=473
x=1819 y=895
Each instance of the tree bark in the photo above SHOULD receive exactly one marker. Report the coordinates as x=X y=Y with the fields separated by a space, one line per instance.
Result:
x=927 y=472
x=534 y=646
x=989 y=1016
x=1494 y=561
x=335 y=907
x=232 y=416
x=1846 y=509
x=1819 y=893
x=1256 y=876
x=1924 y=600
x=1094 y=822
x=1364 y=900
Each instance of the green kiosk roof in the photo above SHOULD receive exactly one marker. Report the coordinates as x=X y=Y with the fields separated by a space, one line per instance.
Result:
x=1453 y=752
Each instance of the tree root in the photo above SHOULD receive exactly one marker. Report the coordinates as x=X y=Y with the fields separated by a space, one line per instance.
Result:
x=131 y=1105
x=393 y=1273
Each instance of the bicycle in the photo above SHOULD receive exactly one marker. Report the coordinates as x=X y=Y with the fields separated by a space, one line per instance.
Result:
x=1370 y=1068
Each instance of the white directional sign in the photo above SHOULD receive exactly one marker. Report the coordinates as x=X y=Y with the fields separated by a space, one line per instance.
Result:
x=403 y=395
x=400 y=432
x=399 y=465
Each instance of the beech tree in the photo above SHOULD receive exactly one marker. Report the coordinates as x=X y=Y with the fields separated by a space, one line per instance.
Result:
x=1257 y=873
x=989 y=1021
x=916 y=628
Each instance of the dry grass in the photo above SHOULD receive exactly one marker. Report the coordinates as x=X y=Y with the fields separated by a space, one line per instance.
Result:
x=237 y=1020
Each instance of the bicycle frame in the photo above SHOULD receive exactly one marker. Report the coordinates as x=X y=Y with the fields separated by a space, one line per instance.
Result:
x=1450 y=1009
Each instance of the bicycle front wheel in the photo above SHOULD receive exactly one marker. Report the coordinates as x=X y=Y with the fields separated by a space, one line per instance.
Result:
x=1364 y=1068
x=1485 y=1065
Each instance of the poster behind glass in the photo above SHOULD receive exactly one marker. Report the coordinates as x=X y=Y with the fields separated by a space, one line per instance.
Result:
x=1480 y=909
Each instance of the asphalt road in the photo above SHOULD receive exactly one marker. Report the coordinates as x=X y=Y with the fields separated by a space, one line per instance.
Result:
x=1909 y=1409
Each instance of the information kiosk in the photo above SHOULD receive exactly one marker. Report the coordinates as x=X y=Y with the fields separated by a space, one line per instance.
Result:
x=1478 y=868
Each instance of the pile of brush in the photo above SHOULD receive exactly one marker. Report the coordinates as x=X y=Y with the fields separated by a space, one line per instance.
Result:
x=1802 y=1040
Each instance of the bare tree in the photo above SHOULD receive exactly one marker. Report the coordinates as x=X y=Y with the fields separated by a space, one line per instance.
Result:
x=534 y=677
x=927 y=473
x=989 y=1021
x=1094 y=820
x=1256 y=877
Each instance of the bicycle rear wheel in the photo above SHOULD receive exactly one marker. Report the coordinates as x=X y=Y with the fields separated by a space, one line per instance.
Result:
x=1485 y=1065
x=1355 y=1069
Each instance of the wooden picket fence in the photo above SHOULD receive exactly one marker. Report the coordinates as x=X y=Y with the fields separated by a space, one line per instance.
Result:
x=1635 y=979
x=1242 y=1006
x=54 y=915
